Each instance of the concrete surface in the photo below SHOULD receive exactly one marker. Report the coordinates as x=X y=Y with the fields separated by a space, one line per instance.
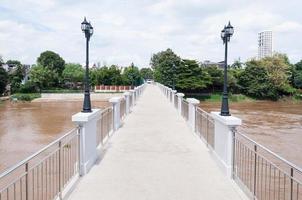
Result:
x=155 y=156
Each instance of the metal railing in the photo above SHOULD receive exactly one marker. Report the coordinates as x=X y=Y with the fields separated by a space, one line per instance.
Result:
x=185 y=109
x=205 y=126
x=176 y=101
x=105 y=125
x=262 y=173
x=122 y=109
x=45 y=174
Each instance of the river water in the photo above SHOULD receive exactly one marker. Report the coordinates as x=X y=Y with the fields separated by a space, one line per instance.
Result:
x=276 y=125
x=27 y=127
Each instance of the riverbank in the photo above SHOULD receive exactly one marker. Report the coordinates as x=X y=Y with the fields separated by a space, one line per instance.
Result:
x=54 y=97
x=5 y=98
x=216 y=97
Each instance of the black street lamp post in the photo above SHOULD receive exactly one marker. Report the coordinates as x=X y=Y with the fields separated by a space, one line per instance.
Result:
x=226 y=34
x=88 y=30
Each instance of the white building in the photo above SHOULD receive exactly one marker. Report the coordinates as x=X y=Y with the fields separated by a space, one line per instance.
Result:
x=265 y=44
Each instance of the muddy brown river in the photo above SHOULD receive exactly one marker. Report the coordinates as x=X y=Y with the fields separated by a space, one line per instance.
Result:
x=276 y=125
x=27 y=127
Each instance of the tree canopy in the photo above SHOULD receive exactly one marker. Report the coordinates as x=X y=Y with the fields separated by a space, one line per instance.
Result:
x=147 y=73
x=3 y=80
x=73 y=73
x=131 y=76
x=191 y=77
x=52 y=61
x=165 y=64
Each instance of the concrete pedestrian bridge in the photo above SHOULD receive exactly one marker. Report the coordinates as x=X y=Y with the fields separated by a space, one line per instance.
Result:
x=155 y=155
x=153 y=144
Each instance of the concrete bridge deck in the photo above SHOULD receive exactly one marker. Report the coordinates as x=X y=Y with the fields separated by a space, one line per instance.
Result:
x=156 y=156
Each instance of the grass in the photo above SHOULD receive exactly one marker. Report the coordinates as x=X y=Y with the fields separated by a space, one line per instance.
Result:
x=217 y=97
x=62 y=91
x=25 y=96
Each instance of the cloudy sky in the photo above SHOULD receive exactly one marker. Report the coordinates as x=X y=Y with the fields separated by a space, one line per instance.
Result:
x=131 y=31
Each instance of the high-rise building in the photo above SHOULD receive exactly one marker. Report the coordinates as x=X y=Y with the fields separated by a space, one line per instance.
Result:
x=265 y=44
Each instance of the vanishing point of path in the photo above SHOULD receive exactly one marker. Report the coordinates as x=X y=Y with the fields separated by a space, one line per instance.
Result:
x=155 y=156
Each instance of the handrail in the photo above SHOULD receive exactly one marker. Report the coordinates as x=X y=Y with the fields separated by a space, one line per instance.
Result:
x=271 y=152
x=16 y=166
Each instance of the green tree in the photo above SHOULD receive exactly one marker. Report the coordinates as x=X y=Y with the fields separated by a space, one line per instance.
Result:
x=42 y=77
x=3 y=80
x=131 y=76
x=73 y=73
x=191 y=77
x=298 y=65
x=216 y=78
x=255 y=82
x=267 y=78
x=146 y=73
x=298 y=79
x=106 y=76
x=52 y=61
x=278 y=68
x=237 y=64
x=114 y=75
x=1 y=61
x=165 y=64
x=16 y=75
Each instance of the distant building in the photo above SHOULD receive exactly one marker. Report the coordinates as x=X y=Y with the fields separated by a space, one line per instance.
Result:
x=26 y=71
x=265 y=44
x=8 y=68
x=208 y=63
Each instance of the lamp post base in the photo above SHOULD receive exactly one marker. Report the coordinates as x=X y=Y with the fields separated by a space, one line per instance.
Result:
x=87 y=103
x=225 y=106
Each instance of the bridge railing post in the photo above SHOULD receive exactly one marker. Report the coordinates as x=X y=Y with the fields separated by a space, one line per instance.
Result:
x=132 y=98
x=170 y=95
x=116 y=111
x=87 y=123
x=180 y=98
x=224 y=141
x=193 y=103
x=173 y=94
x=167 y=92
x=127 y=98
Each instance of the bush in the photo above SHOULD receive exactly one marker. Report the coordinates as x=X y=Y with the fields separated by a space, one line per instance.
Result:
x=28 y=87
x=26 y=96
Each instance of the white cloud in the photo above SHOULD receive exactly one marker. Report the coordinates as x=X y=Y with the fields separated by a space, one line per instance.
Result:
x=130 y=31
x=288 y=26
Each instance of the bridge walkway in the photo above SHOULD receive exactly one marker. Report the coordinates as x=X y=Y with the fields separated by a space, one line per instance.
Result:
x=155 y=156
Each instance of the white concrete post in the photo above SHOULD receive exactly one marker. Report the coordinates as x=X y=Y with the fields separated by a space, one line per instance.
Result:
x=116 y=101
x=173 y=94
x=180 y=97
x=167 y=89
x=127 y=98
x=192 y=111
x=223 y=140
x=88 y=135
x=136 y=93
x=132 y=96
x=170 y=95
